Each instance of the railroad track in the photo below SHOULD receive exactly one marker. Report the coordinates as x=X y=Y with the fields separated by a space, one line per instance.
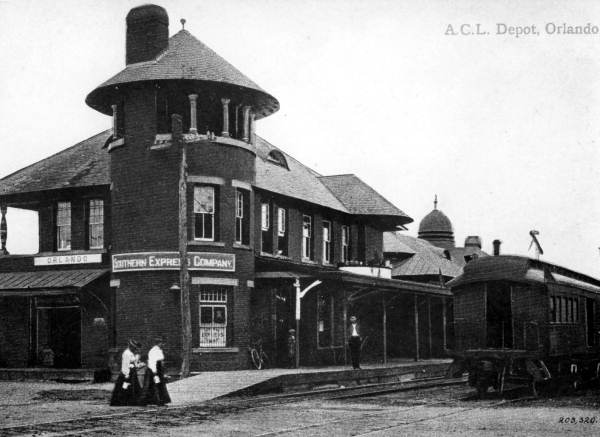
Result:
x=99 y=423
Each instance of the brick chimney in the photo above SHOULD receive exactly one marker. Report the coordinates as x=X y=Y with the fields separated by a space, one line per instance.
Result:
x=147 y=33
x=496 y=244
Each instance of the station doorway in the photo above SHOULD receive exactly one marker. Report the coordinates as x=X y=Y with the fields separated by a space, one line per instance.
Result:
x=59 y=336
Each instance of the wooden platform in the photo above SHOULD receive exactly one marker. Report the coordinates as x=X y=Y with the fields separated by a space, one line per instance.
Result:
x=212 y=385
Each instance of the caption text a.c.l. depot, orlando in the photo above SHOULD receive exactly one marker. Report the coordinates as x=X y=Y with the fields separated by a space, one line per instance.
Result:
x=521 y=30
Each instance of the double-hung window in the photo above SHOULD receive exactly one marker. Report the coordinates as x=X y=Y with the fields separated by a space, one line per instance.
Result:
x=242 y=216
x=63 y=226
x=326 y=242
x=96 y=224
x=345 y=255
x=307 y=237
x=265 y=226
x=282 y=241
x=204 y=213
x=213 y=317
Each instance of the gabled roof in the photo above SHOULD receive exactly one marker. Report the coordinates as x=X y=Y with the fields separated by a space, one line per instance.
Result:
x=186 y=58
x=427 y=260
x=82 y=165
x=360 y=199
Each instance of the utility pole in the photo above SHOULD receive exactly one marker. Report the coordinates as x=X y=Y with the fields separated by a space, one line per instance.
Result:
x=184 y=277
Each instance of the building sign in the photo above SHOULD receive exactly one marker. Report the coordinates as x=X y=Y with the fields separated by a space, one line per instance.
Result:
x=130 y=262
x=67 y=259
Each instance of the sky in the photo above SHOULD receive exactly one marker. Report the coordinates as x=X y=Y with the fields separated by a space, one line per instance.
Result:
x=504 y=128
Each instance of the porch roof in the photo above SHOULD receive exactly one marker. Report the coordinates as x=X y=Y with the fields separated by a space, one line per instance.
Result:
x=48 y=282
x=279 y=269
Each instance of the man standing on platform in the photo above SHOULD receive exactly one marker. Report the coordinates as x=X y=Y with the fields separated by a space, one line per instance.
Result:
x=354 y=342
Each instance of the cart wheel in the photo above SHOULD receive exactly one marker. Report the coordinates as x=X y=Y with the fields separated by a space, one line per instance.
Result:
x=256 y=359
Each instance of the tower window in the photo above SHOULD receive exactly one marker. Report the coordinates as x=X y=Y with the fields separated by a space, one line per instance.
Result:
x=242 y=216
x=204 y=213
x=213 y=317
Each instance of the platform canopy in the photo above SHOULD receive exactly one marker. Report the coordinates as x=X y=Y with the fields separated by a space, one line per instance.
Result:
x=47 y=283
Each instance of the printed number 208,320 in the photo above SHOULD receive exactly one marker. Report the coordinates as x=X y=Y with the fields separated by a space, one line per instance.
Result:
x=588 y=419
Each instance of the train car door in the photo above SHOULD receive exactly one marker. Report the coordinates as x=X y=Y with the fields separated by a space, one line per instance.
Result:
x=499 y=315
x=589 y=322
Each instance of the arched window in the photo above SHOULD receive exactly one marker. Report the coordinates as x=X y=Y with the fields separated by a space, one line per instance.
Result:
x=276 y=157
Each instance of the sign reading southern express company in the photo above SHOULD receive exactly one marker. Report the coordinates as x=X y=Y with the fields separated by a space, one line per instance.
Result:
x=130 y=262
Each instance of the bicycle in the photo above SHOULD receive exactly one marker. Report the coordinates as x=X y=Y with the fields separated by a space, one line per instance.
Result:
x=259 y=357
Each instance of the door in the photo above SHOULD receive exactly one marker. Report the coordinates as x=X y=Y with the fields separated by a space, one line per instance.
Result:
x=59 y=337
x=499 y=316
x=589 y=321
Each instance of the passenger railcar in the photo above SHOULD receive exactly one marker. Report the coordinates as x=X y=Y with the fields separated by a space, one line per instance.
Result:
x=520 y=319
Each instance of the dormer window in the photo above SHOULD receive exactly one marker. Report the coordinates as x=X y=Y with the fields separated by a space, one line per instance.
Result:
x=276 y=157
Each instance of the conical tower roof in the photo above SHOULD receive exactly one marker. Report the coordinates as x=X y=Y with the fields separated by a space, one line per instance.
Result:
x=186 y=59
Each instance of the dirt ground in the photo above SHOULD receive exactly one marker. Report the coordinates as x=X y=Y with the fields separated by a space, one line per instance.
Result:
x=37 y=402
x=449 y=411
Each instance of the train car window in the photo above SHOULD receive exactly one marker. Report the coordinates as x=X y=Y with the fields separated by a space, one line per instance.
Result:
x=564 y=309
x=552 y=302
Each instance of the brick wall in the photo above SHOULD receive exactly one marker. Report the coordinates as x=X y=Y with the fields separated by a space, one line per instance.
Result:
x=14 y=331
x=96 y=324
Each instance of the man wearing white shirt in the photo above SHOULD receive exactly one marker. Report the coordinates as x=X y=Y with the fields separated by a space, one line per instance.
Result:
x=354 y=342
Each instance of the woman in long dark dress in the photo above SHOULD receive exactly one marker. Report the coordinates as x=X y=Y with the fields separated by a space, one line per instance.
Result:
x=127 y=388
x=155 y=387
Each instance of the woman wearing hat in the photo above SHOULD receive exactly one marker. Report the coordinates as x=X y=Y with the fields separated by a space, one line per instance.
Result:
x=155 y=387
x=127 y=388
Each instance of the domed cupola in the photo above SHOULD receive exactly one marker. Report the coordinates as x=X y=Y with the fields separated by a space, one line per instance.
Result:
x=436 y=228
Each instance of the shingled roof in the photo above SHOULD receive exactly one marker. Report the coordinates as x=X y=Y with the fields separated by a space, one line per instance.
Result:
x=186 y=58
x=299 y=181
x=82 y=165
x=86 y=164
x=359 y=198
x=427 y=260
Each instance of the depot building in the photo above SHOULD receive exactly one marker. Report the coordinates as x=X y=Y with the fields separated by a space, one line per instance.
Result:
x=260 y=227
